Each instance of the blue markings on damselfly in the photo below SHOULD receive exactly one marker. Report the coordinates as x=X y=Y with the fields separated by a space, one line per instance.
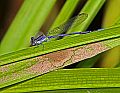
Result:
x=55 y=33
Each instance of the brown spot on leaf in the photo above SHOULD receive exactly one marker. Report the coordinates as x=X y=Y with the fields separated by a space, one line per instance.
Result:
x=55 y=60
x=4 y=68
x=51 y=61
x=88 y=51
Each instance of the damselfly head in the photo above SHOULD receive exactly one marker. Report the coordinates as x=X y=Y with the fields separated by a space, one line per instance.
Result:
x=33 y=43
x=38 y=40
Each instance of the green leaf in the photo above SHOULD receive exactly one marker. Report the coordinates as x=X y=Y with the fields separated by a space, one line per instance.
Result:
x=98 y=79
x=71 y=41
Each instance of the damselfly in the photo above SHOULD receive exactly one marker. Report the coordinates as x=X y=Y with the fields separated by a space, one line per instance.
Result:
x=77 y=20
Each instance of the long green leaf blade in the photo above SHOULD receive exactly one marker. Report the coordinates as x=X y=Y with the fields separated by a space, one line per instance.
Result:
x=60 y=44
x=78 y=78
